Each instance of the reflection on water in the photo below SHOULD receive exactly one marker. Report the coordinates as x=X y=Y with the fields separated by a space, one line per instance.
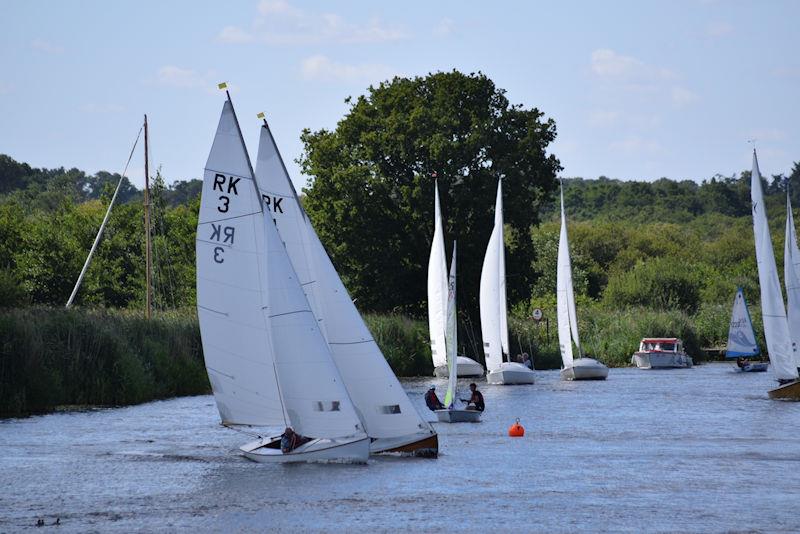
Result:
x=699 y=449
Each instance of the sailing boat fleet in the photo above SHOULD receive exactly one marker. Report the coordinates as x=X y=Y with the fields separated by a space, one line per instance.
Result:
x=284 y=344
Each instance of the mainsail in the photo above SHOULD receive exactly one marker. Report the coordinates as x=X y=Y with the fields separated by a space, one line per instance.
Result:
x=494 y=318
x=451 y=334
x=437 y=288
x=380 y=400
x=776 y=328
x=266 y=357
x=791 y=271
x=565 y=296
x=741 y=337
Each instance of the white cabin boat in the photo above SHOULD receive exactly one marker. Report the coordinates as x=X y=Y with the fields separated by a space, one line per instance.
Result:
x=661 y=353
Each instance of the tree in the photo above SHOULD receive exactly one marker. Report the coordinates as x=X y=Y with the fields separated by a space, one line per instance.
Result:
x=371 y=199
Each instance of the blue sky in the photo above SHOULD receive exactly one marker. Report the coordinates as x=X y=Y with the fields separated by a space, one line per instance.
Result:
x=638 y=89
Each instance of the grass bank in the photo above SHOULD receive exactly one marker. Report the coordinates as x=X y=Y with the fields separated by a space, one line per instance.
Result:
x=51 y=357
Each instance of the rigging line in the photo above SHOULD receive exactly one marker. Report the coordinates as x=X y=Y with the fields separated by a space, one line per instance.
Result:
x=105 y=220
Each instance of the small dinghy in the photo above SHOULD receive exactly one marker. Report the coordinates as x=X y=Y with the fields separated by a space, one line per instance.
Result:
x=742 y=338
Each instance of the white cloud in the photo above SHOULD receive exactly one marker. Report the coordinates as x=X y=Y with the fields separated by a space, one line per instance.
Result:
x=319 y=67
x=101 y=108
x=46 y=47
x=444 y=28
x=608 y=64
x=280 y=23
x=682 y=97
x=172 y=76
x=718 y=29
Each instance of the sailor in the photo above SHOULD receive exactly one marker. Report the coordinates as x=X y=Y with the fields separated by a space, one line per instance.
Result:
x=526 y=361
x=475 y=402
x=432 y=400
x=290 y=440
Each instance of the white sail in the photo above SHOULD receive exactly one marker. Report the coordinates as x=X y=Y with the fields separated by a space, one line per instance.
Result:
x=791 y=268
x=437 y=288
x=451 y=334
x=741 y=337
x=229 y=243
x=494 y=319
x=565 y=297
x=776 y=328
x=375 y=391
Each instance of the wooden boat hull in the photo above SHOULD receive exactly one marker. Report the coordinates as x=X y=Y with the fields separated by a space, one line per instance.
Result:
x=466 y=367
x=458 y=416
x=661 y=360
x=425 y=445
x=585 y=369
x=334 y=450
x=510 y=373
x=790 y=391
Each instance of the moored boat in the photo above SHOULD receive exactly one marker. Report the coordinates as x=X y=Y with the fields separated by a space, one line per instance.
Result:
x=661 y=353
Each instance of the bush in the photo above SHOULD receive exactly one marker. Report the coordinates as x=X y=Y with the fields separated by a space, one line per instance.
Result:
x=658 y=284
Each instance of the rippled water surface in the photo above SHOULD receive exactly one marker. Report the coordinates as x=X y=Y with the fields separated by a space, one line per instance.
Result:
x=699 y=449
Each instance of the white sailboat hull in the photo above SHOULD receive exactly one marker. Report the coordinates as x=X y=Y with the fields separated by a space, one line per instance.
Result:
x=661 y=360
x=467 y=367
x=344 y=450
x=458 y=416
x=510 y=373
x=585 y=369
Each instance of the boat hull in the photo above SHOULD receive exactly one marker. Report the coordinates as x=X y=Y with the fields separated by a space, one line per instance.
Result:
x=339 y=450
x=424 y=444
x=510 y=373
x=585 y=369
x=754 y=367
x=661 y=360
x=466 y=367
x=790 y=391
x=458 y=416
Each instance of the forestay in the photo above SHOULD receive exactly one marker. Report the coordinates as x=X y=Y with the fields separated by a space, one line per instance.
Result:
x=791 y=267
x=437 y=288
x=230 y=269
x=776 y=328
x=451 y=334
x=741 y=337
x=376 y=393
x=494 y=319
x=565 y=296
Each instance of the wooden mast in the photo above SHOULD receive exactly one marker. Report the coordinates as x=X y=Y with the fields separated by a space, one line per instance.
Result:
x=147 y=254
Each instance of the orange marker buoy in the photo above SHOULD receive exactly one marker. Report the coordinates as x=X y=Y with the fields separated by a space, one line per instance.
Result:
x=516 y=430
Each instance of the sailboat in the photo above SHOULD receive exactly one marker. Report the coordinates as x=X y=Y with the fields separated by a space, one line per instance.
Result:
x=437 y=304
x=494 y=315
x=390 y=419
x=267 y=361
x=791 y=271
x=450 y=414
x=574 y=369
x=742 y=338
x=776 y=327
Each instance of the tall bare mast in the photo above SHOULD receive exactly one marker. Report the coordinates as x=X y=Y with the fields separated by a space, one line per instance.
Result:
x=147 y=254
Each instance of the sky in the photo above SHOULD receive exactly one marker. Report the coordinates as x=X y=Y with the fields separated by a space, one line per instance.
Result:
x=638 y=89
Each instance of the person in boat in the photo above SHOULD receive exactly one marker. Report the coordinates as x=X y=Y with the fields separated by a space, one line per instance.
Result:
x=290 y=440
x=526 y=360
x=741 y=362
x=432 y=401
x=475 y=402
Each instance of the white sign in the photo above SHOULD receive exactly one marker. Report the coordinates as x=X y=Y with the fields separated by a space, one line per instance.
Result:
x=537 y=314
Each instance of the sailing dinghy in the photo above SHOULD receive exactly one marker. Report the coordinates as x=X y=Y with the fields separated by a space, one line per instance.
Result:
x=389 y=418
x=266 y=358
x=450 y=414
x=437 y=304
x=791 y=271
x=581 y=368
x=776 y=327
x=742 y=338
x=494 y=315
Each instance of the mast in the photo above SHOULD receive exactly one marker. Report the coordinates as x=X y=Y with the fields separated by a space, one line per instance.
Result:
x=148 y=246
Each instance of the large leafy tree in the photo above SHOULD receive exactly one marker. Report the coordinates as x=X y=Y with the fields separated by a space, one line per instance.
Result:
x=371 y=199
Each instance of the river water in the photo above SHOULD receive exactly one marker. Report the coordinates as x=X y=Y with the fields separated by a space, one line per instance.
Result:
x=699 y=449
